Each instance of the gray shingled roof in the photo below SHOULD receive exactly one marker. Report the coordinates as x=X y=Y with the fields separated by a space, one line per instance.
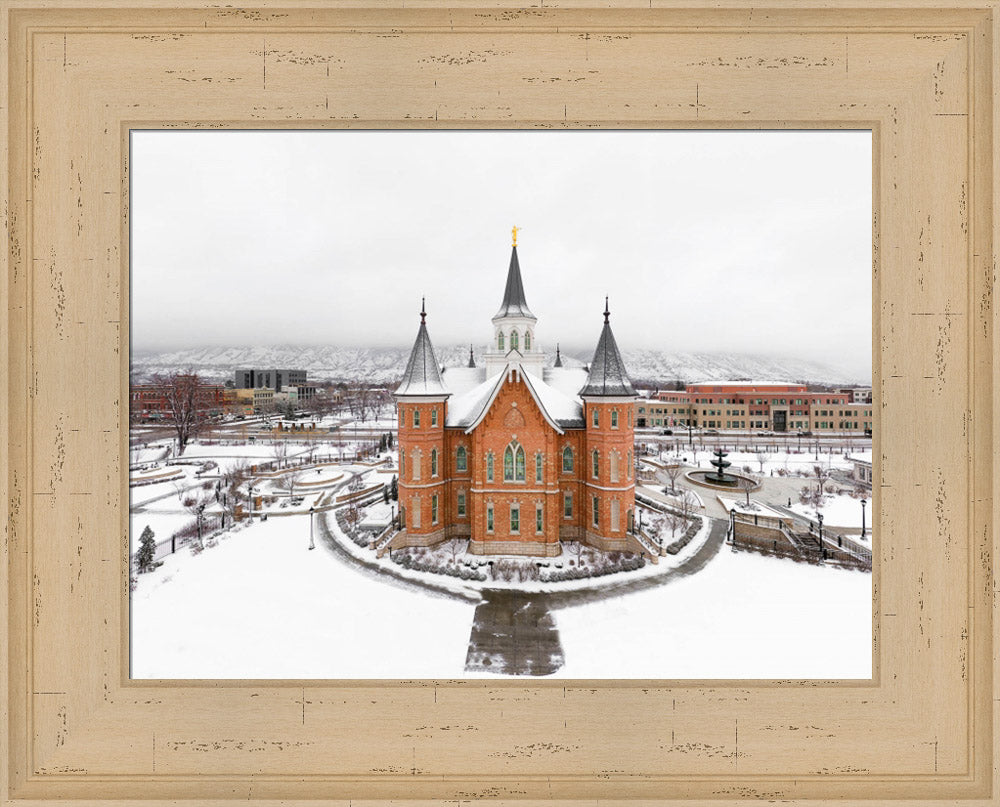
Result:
x=607 y=374
x=514 y=304
x=423 y=373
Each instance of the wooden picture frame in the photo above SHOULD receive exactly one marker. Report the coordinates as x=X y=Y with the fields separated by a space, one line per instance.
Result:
x=920 y=76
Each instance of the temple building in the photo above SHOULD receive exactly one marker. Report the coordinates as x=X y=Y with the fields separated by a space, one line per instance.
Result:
x=512 y=452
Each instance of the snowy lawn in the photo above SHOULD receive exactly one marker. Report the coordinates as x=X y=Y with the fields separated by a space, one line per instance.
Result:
x=838 y=511
x=743 y=616
x=261 y=605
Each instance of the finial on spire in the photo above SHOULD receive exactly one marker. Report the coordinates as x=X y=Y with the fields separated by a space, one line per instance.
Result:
x=513 y=234
x=607 y=313
x=423 y=312
x=472 y=361
x=558 y=357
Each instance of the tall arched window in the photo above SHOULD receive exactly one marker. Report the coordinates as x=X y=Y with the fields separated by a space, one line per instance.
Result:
x=595 y=470
x=461 y=460
x=527 y=340
x=513 y=340
x=513 y=463
x=434 y=462
x=489 y=467
x=628 y=466
x=613 y=465
x=500 y=341
x=567 y=460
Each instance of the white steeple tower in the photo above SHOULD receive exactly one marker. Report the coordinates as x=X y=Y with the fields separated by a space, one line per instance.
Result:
x=514 y=326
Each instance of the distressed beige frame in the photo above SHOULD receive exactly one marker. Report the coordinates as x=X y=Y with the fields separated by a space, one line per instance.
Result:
x=921 y=75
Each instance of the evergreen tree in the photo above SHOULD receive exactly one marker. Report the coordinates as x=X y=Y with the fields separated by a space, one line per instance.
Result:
x=147 y=546
x=395 y=489
x=385 y=494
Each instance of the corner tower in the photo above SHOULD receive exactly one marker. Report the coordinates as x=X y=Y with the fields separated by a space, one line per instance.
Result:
x=514 y=326
x=421 y=403
x=608 y=468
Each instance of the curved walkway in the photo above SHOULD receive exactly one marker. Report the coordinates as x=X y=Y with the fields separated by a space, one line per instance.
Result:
x=552 y=599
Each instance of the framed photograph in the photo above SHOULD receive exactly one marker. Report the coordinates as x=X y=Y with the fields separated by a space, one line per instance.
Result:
x=603 y=286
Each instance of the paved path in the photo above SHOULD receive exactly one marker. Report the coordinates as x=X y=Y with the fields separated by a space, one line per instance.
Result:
x=513 y=633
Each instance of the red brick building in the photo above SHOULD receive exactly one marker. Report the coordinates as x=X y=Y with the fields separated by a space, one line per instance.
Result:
x=516 y=455
x=148 y=402
x=746 y=405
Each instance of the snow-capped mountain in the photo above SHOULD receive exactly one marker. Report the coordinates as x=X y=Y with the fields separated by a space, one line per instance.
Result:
x=384 y=365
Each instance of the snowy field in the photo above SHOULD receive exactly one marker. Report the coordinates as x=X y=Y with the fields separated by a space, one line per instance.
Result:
x=743 y=616
x=261 y=605
x=838 y=511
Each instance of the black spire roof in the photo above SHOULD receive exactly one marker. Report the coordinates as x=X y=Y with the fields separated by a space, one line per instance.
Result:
x=558 y=357
x=422 y=375
x=472 y=361
x=607 y=374
x=514 y=304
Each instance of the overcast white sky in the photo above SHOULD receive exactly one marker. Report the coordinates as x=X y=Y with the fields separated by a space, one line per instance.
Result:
x=756 y=242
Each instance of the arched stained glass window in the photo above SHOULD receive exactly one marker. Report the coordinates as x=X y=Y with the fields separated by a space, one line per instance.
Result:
x=567 y=460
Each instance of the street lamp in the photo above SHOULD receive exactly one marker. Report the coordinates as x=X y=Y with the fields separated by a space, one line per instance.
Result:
x=201 y=510
x=250 y=498
x=863 y=503
x=312 y=510
x=822 y=549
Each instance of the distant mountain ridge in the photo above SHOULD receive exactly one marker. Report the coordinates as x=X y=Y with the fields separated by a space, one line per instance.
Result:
x=384 y=365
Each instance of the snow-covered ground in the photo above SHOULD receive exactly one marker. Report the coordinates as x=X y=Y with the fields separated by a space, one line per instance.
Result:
x=261 y=605
x=838 y=511
x=742 y=616
x=796 y=463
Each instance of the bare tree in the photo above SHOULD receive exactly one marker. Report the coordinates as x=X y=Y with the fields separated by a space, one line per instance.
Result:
x=761 y=459
x=289 y=480
x=822 y=477
x=688 y=502
x=195 y=502
x=747 y=483
x=186 y=408
x=673 y=474
x=455 y=546
x=280 y=452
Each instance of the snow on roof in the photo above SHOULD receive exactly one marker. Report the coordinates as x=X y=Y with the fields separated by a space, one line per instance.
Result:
x=863 y=456
x=464 y=408
x=562 y=410
x=422 y=375
x=567 y=380
x=459 y=380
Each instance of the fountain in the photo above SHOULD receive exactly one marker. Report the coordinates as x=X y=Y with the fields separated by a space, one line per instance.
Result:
x=718 y=477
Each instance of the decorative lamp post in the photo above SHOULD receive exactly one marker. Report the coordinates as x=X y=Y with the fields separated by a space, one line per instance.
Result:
x=863 y=503
x=201 y=510
x=822 y=549
x=312 y=510
x=250 y=501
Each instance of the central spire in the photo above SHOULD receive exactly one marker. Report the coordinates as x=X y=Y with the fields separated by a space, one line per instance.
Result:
x=514 y=303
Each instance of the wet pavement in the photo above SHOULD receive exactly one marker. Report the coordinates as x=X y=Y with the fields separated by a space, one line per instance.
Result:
x=513 y=633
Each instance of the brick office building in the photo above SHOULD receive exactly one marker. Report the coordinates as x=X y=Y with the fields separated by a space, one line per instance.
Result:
x=516 y=455
x=747 y=405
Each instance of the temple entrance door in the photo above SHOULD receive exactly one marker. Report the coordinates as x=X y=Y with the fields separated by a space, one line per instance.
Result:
x=780 y=421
